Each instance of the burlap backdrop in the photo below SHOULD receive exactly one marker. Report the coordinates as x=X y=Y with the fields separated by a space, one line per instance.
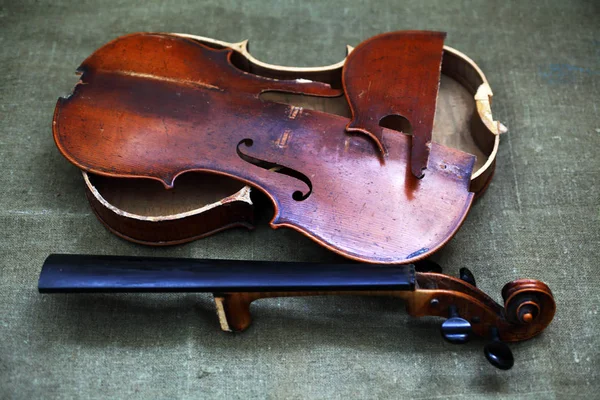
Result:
x=540 y=218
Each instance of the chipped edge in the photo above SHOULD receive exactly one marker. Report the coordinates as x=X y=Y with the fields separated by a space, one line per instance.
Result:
x=219 y=303
x=483 y=100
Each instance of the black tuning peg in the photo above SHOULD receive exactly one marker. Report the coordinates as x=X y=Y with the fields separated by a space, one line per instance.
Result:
x=467 y=276
x=498 y=353
x=455 y=329
x=427 y=266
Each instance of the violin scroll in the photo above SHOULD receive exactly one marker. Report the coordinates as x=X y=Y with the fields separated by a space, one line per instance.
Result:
x=528 y=302
x=528 y=309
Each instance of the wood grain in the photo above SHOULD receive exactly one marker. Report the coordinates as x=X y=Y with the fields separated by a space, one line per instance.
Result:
x=134 y=117
x=433 y=296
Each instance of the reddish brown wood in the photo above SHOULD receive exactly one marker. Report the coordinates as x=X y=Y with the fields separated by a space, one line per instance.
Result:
x=433 y=296
x=396 y=74
x=155 y=106
x=463 y=121
x=174 y=229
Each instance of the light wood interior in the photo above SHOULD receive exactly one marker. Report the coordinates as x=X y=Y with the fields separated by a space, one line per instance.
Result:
x=150 y=198
x=452 y=124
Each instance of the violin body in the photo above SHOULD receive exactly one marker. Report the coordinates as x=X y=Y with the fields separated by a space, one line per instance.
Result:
x=160 y=106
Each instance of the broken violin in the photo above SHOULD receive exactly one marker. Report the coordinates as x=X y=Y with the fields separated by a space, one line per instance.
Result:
x=371 y=186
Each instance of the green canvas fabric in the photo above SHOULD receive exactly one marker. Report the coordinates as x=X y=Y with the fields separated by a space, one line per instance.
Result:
x=539 y=218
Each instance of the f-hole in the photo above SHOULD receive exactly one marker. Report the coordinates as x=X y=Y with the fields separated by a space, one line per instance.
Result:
x=280 y=169
x=397 y=123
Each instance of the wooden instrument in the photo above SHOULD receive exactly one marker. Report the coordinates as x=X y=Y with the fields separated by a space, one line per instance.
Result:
x=345 y=153
x=162 y=106
x=528 y=304
x=200 y=204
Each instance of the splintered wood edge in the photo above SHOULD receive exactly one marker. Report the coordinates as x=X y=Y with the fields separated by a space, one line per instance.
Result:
x=242 y=195
x=482 y=98
x=221 y=314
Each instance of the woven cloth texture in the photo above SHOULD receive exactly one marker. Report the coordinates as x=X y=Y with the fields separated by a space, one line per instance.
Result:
x=539 y=218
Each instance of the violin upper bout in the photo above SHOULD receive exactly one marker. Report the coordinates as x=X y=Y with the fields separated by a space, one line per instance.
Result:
x=395 y=74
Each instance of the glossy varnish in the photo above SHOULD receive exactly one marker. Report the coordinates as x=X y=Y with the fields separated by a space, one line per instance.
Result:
x=155 y=106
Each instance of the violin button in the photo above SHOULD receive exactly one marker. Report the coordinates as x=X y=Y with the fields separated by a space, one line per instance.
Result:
x=455 y=329
x=467 y=276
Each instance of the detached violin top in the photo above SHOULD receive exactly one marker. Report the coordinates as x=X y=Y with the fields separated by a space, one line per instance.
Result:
x=156 y=106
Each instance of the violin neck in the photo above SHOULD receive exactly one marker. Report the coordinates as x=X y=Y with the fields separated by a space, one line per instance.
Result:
x=71 y=273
